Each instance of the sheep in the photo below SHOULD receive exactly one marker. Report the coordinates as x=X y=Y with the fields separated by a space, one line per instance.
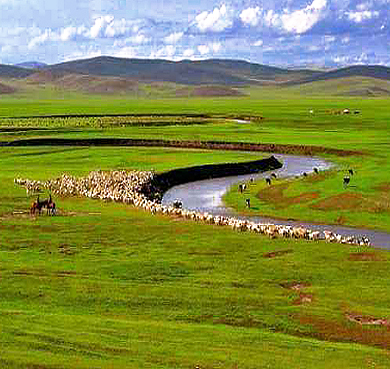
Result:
x=133 y=188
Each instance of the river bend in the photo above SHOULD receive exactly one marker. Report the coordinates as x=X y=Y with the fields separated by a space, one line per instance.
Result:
x=206 y=196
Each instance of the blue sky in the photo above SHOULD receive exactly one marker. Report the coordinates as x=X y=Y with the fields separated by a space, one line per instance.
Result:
x=282 y=33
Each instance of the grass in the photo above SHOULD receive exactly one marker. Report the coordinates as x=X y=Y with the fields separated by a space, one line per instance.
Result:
x=107 y=285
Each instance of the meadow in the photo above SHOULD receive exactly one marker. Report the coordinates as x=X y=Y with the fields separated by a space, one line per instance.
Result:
x=106 y=285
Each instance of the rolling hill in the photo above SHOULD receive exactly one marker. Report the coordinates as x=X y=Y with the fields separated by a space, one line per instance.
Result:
x=370 y=71
x=31 y=65
x=10 y=71
x=213 y=71
x=213 y=77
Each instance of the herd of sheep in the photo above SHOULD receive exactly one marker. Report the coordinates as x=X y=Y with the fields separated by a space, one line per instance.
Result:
x=135 y=188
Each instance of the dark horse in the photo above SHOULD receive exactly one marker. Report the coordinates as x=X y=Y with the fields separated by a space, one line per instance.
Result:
x=39 y=205
x=51 y=206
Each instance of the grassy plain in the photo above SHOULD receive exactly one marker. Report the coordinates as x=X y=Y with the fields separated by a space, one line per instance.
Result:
x=106 y=285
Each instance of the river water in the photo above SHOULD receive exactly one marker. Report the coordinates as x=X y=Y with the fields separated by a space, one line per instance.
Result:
x=206 y=196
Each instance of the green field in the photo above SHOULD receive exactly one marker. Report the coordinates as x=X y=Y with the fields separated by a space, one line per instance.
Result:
x=106 y=285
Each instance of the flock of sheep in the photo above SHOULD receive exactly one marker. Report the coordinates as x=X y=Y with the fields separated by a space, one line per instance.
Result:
x=135 y=188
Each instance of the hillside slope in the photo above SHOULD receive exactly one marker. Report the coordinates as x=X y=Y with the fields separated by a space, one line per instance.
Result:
x=371 y=71
x=10 y=71
x=213 y=71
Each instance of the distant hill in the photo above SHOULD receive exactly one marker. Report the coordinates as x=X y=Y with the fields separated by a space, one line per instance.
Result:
x=213 y=71
x=10 y=71
x=84 y=82
x=345 y=86
x=31 y=65
x=372 y=71
x=213 y=77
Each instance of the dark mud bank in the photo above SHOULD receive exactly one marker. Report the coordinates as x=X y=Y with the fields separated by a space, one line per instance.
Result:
x=209 y=145
x=164 y=181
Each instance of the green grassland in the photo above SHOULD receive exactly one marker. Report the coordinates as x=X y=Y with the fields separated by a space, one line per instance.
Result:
x=107 y=285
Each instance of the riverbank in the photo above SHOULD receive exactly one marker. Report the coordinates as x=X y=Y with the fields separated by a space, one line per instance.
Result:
x=308 y=150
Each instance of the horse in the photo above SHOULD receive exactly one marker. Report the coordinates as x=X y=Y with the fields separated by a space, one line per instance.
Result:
x=50 y=206
x=47 y=203
x=37 y=206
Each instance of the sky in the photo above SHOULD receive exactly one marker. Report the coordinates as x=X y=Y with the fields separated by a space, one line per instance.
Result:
x=287 y=33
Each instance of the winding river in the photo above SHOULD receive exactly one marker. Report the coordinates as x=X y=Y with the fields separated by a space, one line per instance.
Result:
x=206 y=196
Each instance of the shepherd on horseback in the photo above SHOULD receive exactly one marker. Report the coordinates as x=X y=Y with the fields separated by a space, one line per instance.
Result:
x=47 y=203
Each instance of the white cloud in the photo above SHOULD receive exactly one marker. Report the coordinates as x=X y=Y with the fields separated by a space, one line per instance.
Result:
x=216 y=21
x=126 y=52
x=302 y=20
x=166 y=52
x=108 y=27
x=216 y=46
x=251 y=16
x=203 y=49
x=71 y=32
x=345 y=40
x=100 y=25
x=140 y=39
x=47 y=35
x=341 y=60
x=84 y=54
x=213 y=47
x=314 y=48
x=362 y=16
x=258 y=43
x=6 y=49
x=174 y=37
x=121 y=27
x=188 y=53
x=272 y=19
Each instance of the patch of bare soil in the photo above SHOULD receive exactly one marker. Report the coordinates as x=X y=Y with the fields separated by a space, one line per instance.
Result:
x=275 y=195
x=303 y=298
x=5 y=89
x=336 y=331
x=295 y=286
x=275 y=254
x=344 y=201
x=367 y=320
x=365 y=256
